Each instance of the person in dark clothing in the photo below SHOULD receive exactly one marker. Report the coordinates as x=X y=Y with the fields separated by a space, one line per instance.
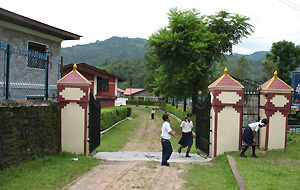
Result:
x=249 y=136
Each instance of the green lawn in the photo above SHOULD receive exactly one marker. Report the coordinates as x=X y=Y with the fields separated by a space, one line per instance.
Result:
x=51 y=172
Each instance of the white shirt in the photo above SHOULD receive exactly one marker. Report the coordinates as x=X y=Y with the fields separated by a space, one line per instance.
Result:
x=255 y=126
x=166 y=128
x=152 y=111
x=186 y=126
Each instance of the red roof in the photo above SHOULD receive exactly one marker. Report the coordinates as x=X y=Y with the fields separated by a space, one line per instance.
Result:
x=133 y=91
x=73 y=77
x=276 y=83
x=226 y=81
x=120 y=90
x=94 y=71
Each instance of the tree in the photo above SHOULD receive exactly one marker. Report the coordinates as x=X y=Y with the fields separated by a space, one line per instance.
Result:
x=186 y=49
x=286 y=56
x=267 y=70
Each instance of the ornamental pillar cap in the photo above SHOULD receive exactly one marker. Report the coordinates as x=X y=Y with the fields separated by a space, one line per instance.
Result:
x=226 y=82
x=276 y=84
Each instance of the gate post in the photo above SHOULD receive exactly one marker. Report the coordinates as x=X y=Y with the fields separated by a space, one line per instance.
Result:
x=275 y=103
x=72 y=94
x=226 y=111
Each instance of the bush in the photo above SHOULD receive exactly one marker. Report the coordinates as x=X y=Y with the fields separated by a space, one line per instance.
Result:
x=293 y=137
x=144 y=102
x=112 y=115
x=129 y=111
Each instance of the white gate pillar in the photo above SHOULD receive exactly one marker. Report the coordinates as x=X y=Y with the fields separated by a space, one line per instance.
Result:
x=72 y=94
x=275 y=103
x=227 y=97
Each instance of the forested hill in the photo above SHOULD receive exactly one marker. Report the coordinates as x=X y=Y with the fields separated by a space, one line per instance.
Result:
x=112 y=49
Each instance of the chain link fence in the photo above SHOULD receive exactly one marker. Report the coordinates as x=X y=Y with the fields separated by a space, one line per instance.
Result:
x=27 y=74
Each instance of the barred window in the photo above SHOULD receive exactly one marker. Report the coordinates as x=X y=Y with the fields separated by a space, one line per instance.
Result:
x=33 y=60
x=102 y=85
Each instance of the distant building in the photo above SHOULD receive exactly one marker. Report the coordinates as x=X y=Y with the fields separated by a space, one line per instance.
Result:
x=140 y=94
x=104 y=85
x=120 y=93
x=32 y=46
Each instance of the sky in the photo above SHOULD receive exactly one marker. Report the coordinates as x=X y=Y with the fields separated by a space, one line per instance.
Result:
x=272 y=20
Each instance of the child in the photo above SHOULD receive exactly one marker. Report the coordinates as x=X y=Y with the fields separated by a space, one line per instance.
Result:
x=186 y=135
x=152 y=113
x=166 y=133
x=249 y=136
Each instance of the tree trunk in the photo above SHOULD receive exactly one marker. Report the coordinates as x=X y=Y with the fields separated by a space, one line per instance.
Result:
x=194 y=102
x=166 y=99
x=184 y=105
x=173 y=101
x=176 y=103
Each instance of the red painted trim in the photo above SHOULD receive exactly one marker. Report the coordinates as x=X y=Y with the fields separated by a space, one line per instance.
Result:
x=285 y=137
x=215 y=133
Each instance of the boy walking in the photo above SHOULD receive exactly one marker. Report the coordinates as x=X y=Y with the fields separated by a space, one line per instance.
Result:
x=166 y=132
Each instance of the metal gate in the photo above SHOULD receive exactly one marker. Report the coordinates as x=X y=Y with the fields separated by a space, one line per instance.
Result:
x=94 y=123
x=203 y=125
x=251 y=107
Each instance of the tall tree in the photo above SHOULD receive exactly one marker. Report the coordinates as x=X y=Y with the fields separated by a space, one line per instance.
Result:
x=186 y=49
x=286 y=56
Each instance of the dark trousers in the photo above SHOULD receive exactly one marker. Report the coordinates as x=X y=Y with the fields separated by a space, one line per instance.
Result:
x=166 y=150
x=152 y=115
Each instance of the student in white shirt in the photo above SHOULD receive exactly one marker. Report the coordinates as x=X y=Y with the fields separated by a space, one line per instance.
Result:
x=152 y=113
x=186 y=134
x=249 y=136
x=166 y=132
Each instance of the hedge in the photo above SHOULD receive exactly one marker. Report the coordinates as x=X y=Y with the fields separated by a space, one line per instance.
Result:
x=112 y=115
x=143 y=102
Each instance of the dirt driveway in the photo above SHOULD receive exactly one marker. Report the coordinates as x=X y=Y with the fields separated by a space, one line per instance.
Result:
x=135 y=174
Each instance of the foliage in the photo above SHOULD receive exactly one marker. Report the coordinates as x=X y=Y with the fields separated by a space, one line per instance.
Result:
x=293 y=138
x=110 y=50
x=267 y=70
x=184 y=51
x=143 y=102
x=286 y=56
x=127 y=68
x=112 y=115
x=50 y=172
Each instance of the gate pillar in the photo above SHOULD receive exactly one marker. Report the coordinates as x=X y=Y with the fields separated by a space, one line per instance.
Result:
x=72 y=94
x=275 y=103
x=227 y=98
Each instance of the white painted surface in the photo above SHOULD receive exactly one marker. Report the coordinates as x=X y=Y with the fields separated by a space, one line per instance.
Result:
x=277 y=132
x=120 y=102
x=72 y=116
x=95 y=85
x=72 y=93
x=116 y=86
x=228 y=130
x=279 y=101
x=229 y=97
x=262 y=131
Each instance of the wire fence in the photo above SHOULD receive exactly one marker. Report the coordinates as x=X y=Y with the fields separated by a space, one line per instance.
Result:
x=27 y=74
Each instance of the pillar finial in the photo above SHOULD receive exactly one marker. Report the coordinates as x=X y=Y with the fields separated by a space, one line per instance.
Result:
x=226 y=71
x=275 y=74
x=75 y=67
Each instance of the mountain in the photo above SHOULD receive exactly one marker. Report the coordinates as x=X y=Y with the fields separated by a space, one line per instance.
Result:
x=256 y=56
x=114 y=48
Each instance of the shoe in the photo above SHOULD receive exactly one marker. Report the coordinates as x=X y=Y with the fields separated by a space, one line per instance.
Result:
x=243 y=155
x=188 y=156
x=179 y=150
x=255 y=156
x=165 y=164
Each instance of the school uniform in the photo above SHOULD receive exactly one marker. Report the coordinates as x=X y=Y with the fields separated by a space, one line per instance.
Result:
x=152 y=114
x=247 y=136
x=165 y=142
x=187 y=135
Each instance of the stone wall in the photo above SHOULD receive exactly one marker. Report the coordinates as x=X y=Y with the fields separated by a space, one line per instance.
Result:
x=28 y=130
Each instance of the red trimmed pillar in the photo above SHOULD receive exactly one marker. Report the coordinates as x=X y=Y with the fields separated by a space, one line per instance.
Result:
x=275 y=105
x=72 y=94
x=227 y=97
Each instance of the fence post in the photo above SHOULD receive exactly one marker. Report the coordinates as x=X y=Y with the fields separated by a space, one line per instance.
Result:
x=7 y=71
x=47 y=78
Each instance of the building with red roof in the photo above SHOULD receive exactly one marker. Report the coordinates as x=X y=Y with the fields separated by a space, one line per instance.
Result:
x=104 y=85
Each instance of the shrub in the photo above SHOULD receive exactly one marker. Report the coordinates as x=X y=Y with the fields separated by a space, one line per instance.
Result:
x=112 y=115
x=129 y=111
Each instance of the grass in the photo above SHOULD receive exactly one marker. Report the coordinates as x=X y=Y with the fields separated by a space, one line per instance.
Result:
x=216 y=175
x=273 y=170
x=150 y=107
x=51 y=172
x=115 y=140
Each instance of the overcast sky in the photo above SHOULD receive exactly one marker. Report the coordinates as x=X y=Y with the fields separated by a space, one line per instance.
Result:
x=273 y=20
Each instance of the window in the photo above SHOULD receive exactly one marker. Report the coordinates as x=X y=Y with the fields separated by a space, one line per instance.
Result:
x=141 y=98
x=102 y=85
x=34 y=61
